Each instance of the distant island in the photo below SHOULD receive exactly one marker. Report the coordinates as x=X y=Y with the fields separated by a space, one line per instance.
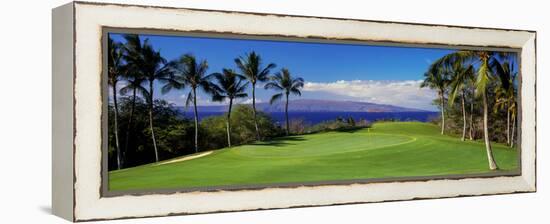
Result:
x=314 y=105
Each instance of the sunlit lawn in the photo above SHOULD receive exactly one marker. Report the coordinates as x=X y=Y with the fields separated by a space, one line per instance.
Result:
x=389 y=149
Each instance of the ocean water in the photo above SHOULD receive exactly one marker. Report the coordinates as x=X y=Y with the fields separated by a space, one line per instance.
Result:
x=317 y=117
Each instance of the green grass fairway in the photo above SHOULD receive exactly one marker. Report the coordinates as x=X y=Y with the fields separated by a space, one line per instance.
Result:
x=392 y=149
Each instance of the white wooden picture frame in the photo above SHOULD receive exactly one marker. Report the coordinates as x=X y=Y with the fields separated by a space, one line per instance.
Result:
x=78 y=28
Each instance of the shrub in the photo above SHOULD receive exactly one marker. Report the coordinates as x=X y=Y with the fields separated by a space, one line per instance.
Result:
x=243 y=129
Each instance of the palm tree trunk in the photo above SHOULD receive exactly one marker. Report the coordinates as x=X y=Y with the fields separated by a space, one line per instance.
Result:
x=513 y=131
x=117 y=145
x=258 y=137
x=508 y=125
x=442 y=112
x=472 y=119
x=130 y=120
x=196 y=120
x=229 y=122
x=463 y=117
x=151 y=120
x=490 y=158
x=286 y=115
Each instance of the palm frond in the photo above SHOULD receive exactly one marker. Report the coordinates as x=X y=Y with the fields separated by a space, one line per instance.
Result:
x=218 y=98
x=482 y=78
x=296 y=92
x=189 y=99
x=273 y=85
x=284 y=82
x=264 y=74
x=275 y=98
x=143 y=92
x=229 y=84
x=241 y=95
x=250 y=66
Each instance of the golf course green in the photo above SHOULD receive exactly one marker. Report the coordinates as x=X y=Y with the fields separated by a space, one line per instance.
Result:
x=388 y=149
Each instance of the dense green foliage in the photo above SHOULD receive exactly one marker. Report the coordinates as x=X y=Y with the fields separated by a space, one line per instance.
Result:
x=388 y=149
x=484 y=73
x=454 y=119
x=299 y=126
x=243 y=128
x=175 y=133
x=462 y=78
x=139 y=66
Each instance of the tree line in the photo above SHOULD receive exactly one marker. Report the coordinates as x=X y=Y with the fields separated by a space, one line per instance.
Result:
x=484 y=82
x=140 y=66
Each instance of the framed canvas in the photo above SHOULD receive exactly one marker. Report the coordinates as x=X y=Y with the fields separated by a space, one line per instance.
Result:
x=169 y=111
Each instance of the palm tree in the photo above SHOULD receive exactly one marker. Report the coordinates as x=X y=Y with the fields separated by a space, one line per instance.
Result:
x=152 y=66
x=472 y=92
x=505 y=94
x=513 y=113
x=251 y=67
x=459 y=82
x=483 y=79
x=189 y=72
x=133 y=77
x=134 y=85
x=284 y=82
x=230 y=86
x=436 y=78
x=115 y=70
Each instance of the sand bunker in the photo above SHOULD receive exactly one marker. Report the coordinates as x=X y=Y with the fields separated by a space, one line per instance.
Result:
x=185 y=158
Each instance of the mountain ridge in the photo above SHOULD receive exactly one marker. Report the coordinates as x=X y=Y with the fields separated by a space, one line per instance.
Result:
x=315 y=105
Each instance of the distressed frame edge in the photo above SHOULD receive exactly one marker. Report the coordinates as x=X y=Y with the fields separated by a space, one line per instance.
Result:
x=302 y=206
x=530 y=46
x=62 y=169
x=528 y=190
x=298 y=16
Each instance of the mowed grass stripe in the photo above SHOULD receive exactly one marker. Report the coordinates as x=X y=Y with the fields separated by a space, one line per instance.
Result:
x=388 y=149
x=307 y=147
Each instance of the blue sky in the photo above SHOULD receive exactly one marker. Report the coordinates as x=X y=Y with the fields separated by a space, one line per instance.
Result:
x=377 y=74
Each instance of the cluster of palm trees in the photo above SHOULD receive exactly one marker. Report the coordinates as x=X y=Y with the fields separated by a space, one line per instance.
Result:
x=469 y=73
x=140 y=66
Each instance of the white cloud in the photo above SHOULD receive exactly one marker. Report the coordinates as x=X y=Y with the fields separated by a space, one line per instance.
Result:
x=202 y=100
x=205 y=101
x=249 y=101
x=405 y=93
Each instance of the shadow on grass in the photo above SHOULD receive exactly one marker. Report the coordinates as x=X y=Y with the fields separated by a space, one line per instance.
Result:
x=279 y=142
x=350 y=129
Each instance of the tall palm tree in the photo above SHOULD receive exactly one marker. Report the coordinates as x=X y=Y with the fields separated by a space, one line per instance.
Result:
x=436 y=78
x=134 y=78
x=459 y=82
x=284 y=82
x=484 y=78
x=115 y=70
x=230 y=86
x=251 y=67
x=190 y=72
x=505 y=93
x=152 y=66
x=472 y=92
x=513 y=113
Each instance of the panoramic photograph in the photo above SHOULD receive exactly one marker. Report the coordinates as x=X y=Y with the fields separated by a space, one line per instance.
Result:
x=204 y=112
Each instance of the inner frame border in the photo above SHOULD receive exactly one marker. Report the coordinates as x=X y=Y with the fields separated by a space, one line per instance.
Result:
x=106 y=30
